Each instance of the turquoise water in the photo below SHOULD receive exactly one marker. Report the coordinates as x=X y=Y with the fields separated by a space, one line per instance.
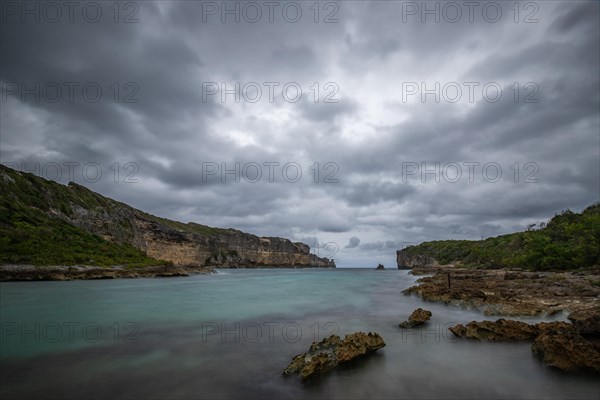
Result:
x=231 y=334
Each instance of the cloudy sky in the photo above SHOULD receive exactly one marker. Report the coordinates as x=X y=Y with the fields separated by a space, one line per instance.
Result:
x=361 y=126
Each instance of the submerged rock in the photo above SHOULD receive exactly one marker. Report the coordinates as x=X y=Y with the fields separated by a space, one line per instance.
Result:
x=418 y=317
x=332 y=351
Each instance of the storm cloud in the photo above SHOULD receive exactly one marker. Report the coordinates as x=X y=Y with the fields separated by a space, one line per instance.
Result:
x=396 y=122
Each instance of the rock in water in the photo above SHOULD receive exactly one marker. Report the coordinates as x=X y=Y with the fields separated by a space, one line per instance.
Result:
x=380 y=267
x=418 y=317
x=566 y=349
x=504 y=330
x=561 y=345
x=587 y=322
x=332 y=351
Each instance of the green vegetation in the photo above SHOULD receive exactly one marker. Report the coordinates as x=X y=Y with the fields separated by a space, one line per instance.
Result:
x=190 y=227
x=31 y=231
x=29 y=236
x=568 y=241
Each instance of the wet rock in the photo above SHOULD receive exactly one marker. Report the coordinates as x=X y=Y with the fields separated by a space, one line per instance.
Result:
x=418 y=317
x=380 y=267
x=504 y=330
x=559 y=344
x=500 y=292
x=587 y=322
x=509 y=276
x=332 y=351
x=66 y=273
x=567 y=350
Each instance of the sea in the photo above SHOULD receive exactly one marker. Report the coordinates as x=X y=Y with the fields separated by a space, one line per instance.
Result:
x=229 y=335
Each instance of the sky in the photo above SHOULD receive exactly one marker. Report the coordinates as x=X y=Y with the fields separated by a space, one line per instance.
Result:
x=356 y=127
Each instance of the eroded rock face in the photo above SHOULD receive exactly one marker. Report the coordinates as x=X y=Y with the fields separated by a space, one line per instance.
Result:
x=332 y=351
x=226 y=249
x=418 y=317
x=587 y=322
x=569 y=347
x=568 y=350
x=504 y=330
x=408 y=261
x=506 y=293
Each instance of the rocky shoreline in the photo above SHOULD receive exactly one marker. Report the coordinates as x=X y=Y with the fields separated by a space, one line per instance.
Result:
x=15 y=273
x=573 y=346
x=566 y=346
x=12 y=273
x=509 y=293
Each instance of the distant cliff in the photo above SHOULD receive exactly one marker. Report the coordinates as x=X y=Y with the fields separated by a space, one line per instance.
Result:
x=408 y=261
x=568 y=241
x=45 y=223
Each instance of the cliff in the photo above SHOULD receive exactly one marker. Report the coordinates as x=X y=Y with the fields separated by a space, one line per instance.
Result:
x=409 y=261
x=45 y=223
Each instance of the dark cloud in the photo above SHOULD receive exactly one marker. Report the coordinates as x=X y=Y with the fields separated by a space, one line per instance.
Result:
x=352 y=154
x=353 y=243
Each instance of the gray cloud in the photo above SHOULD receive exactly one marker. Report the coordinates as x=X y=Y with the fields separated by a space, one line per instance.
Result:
x=352 y=154
x=353 y=243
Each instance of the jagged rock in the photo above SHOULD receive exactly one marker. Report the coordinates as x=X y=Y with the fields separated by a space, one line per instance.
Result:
x=523 y=293
x=566 y=349
x=332 y=351
x=504 y=330
x=380 y=267
x=587 y=322
x=418 y=317
x=558 y=344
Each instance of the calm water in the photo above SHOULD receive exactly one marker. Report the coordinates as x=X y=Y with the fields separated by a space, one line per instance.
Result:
x=230 y=335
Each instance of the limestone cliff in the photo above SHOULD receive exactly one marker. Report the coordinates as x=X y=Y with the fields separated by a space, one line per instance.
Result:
x=406 y=260
x=180 y=243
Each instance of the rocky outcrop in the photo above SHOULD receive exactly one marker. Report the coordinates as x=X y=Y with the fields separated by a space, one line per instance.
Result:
x=567 y=350
x=504 y=330
x=576 y=347
x=380 y=267
x=333 y=351
x=501 y=292
x=587 y=322
x=405 y=260
x=562 y=345
x=418 y=317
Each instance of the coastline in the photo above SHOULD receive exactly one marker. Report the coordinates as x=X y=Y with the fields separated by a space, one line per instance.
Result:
x=19 y=273
x=26 y=273
x=509 y=293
